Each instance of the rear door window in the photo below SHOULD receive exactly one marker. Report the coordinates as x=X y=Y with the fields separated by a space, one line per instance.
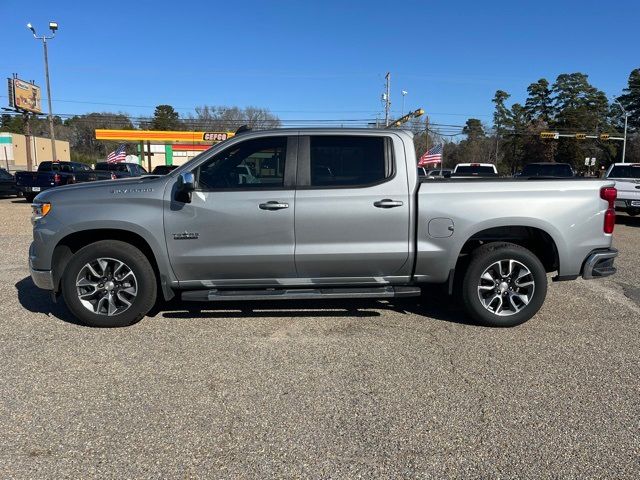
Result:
x=348 y=161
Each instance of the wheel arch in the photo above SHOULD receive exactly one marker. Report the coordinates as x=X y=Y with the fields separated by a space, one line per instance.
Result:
x=73 y=242
x=537 y=240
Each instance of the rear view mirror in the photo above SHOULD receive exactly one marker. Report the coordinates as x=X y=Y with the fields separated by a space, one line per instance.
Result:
x=185 y=185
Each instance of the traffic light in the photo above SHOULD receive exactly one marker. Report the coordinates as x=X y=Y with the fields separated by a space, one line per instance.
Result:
x=581 y=136
x=402 y=120
x=553 y=135
x=604 y=136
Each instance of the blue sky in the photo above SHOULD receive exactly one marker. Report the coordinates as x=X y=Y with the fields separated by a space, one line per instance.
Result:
x=315 y=59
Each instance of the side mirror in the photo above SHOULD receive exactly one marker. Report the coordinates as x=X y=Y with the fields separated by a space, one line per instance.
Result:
x=185 y=185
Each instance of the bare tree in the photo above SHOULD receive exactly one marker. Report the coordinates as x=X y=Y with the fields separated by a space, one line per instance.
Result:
x=220 y=118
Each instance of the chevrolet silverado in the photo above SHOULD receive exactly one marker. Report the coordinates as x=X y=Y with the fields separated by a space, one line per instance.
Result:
x=329 y=213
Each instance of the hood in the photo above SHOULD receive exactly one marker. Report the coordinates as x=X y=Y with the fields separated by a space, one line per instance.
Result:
x=97 y=190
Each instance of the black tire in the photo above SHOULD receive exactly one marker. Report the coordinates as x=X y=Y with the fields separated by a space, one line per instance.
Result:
x=633 y=211
x=135 y=260
x=484 y=258
x=29 y=197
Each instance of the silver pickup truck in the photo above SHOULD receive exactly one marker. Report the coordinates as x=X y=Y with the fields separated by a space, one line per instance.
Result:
x=329 y=213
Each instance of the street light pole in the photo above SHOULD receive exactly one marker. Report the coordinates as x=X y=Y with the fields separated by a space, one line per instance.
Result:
x=53 y=26
x=624 y=141
x=404 y=94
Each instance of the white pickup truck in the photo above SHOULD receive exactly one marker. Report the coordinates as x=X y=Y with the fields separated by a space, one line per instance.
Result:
x=627 y=178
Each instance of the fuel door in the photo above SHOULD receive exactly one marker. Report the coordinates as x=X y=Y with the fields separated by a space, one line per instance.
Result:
x=440 y=227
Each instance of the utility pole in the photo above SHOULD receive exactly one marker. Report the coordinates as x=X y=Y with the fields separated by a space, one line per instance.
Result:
x=387 y=99
x=53 y=26
x=27 y=136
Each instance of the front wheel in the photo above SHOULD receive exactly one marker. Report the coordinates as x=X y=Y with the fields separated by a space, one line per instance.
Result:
x=109 y=284
x=505 y=285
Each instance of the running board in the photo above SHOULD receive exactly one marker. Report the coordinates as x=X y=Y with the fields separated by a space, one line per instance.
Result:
x=298 y=294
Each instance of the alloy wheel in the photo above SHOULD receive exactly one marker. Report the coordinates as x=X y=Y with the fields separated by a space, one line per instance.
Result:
x=106 y=286
x=506 y=287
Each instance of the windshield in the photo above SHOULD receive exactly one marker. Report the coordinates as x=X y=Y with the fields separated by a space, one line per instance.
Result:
x=625 y=171
x=547 y=170
x=112 y=167
x=475 y=170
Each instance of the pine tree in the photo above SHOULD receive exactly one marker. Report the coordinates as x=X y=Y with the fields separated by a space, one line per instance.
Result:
x=165 y=118
x=539 y=104
x=630 y=99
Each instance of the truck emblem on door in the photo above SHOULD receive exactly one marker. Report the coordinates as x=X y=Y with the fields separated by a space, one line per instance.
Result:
x=186 y=236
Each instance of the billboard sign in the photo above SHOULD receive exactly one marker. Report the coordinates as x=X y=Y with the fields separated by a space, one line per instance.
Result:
x=24 y=96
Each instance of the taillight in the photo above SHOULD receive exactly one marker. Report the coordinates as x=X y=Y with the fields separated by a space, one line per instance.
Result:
x=609 y=220
x=609 y=194
x=57 y=178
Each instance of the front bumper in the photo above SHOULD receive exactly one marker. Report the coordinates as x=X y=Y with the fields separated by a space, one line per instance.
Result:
x=41 y=278
x=599 y=263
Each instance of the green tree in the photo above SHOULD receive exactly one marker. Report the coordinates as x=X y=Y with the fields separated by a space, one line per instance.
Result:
x=579 y=104
x=473 y=129
x=630 y=98
x=165 y=118
x=82 y=133
x=539 y=104
x=477 y=147
x=579 y=107
x=501 y=114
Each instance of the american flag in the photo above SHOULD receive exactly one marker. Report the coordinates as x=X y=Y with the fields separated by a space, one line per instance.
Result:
x=433 y=155
x=119 y=155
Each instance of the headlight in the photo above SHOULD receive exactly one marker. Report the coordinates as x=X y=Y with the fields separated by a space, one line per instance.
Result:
x=39 y=210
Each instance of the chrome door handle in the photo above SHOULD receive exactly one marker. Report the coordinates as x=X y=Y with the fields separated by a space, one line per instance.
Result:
x=273 y=205
x=387 y=203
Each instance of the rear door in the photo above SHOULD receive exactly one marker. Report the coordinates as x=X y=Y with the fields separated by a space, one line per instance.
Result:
x=239 y=227
x=352 y=209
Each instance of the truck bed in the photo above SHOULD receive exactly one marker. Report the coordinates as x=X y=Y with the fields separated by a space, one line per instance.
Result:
x=452 y=211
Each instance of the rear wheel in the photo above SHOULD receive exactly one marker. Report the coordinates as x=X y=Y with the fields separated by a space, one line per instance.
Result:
x=29 y=197
x=109 y=284
x=633 y=211
x=505 y=285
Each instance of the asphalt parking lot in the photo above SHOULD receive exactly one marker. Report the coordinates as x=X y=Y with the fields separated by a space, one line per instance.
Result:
x=321 y=390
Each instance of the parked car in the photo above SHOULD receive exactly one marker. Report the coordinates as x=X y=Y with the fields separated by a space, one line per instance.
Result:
x=50 y=175
x=163 y=169
x=627 y=178
x=370 y=229
x=475 y=170
x=120 y=169
x=548 y=170
x=7 y=184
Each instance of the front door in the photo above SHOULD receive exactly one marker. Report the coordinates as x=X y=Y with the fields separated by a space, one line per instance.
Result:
x=352 y=210
x=239 y=226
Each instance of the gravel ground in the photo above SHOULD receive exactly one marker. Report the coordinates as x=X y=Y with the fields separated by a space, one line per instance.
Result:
x=321 y=390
